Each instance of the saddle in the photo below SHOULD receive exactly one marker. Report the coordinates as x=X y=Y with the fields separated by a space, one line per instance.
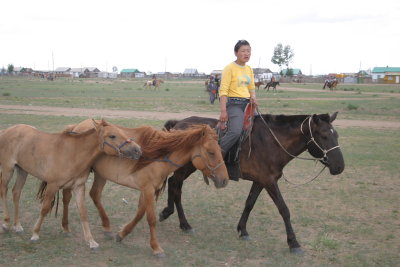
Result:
x=232 y=159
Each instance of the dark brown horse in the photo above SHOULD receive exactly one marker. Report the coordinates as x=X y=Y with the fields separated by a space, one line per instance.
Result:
x=271 y=84
x=331 y=84
x=275 y=140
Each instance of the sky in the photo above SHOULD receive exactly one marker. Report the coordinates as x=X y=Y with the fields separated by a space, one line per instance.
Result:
x=338 y=36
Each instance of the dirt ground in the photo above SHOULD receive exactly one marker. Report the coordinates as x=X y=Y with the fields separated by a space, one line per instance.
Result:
x=104 y=113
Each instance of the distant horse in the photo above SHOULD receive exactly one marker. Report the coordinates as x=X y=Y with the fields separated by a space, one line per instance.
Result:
x=258 y=84
x=148 y=84
x=62 y=160
x=274 y=141
x=271 y=84
x=331 y=84
x=163 y=153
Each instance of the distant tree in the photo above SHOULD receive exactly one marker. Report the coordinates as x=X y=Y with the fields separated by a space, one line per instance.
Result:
x=289 y=72
x=277 y=58
x=10 y=68
x=288 y=55
x=282 y=55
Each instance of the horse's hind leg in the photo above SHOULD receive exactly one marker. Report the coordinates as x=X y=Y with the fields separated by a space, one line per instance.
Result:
x=51 y=190
x=5 y=177
x=95 y=194
x=275 y=194
x=19 y=184
x=251 y=200
x=67 y=195
x=139 y=215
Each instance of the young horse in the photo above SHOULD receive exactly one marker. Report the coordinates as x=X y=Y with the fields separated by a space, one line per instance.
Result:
x=275 y=140
x=62 y=160
x=163 y=153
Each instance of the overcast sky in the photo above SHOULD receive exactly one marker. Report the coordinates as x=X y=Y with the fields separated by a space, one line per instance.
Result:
x=171 y=35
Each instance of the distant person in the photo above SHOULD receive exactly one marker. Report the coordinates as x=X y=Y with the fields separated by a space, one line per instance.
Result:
x=237 y=90
x=212 y=89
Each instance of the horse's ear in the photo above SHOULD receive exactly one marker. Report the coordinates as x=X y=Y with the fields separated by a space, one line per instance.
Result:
x=315 y=118
x=96 y=125
x=333 y=117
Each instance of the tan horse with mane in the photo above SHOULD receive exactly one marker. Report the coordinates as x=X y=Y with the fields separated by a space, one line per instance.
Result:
x=62 y=160
x=163 y=153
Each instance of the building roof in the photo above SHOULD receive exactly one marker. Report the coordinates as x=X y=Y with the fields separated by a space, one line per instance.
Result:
x=78 y=69
x=129 y=71
x=190 y=71
x=261 y=70
x=63 y=69
x=385 y=69
x=294 y=71
x=93 y=69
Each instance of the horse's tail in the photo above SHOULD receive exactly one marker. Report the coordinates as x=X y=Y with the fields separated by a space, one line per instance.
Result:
x=41 y=193
x=170 y=124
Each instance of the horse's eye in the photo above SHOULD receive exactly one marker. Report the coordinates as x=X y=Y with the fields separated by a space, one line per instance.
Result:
x=211 y=153
x=112 y=136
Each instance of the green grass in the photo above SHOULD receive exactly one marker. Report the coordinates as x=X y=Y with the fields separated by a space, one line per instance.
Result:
x=345 y=220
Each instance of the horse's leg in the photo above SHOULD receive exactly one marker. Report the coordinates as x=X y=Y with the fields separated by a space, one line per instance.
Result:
x=80 y=202
x=151 y=220
x=19 y=184
x=139 y=215
x=6 y=175
x=275 y=194
x=175 y=183
x=95 y=194
x=67 y=195
x=255 y=190
x=51 y=190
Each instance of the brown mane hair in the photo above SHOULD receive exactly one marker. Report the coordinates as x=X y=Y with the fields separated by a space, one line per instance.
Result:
x=156 y=143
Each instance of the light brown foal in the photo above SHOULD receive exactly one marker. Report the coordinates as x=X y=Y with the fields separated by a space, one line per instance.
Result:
x=62 y=160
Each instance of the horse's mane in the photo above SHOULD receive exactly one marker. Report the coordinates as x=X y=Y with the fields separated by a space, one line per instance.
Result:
x=294 y=120
x=157 y=143
x=69 y=130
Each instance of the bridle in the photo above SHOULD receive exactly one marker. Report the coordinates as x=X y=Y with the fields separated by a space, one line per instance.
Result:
x=211 y=169
x=324 y=158
x=118 y=148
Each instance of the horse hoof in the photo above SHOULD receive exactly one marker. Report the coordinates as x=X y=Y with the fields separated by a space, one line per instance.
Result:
x=94 y=249
x=108 y=235
x=188 y=231
x=118 y=238
x=93 y=245
x=18 y=229
x=34 y=239
x=245 y=237
x=297 y=251
x=67 y=234
x=4 y=228
x=159 y=255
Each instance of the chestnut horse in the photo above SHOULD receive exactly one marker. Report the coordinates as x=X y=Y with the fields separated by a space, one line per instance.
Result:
x=163 y=153
x=62 y=160
x=275 y=140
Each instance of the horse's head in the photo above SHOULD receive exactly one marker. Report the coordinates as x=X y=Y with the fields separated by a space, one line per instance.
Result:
x=207 y=157
x=323 y=141
x=115 y=141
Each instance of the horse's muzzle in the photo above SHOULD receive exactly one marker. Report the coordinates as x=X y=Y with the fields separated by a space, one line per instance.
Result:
x=220 y=183
x=133 y=153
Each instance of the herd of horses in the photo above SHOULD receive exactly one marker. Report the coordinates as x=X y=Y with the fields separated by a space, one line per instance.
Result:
x=142 y=158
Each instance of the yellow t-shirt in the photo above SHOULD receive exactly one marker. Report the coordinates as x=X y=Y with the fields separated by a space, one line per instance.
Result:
x=237 y=81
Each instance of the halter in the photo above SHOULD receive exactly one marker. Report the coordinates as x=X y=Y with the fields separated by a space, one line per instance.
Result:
x=118 y=148
x=324 y=158
x=211 y=169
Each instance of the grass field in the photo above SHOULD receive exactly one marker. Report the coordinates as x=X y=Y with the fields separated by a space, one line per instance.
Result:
x=347 y=220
